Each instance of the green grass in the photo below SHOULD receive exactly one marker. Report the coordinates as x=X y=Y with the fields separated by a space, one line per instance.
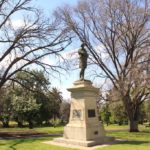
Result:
x=116 y=127
x=135 y=141
x=29 y=144
x=122 y=127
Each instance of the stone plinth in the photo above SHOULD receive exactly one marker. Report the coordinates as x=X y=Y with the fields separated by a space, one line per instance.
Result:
x=84 y=127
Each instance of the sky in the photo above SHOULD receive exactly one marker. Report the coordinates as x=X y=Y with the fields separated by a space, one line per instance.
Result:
x=66 y=80
x=50 y=5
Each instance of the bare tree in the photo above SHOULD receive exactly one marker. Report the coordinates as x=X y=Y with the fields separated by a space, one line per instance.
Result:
x=27 y=37
x=117 y=34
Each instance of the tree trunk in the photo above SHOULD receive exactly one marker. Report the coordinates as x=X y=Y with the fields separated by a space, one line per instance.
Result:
x=6 y=124
x=134 y=120
x=133 y=113
x=20 y=124
x=134 y=125
x=30 y=125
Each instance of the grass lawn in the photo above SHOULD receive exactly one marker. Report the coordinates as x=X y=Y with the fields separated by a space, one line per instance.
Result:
x=29 y=144
x=136 y=141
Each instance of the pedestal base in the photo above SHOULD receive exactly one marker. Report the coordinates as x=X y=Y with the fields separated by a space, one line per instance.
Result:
x=84 y=128
x=99 y=141
x=84 y=132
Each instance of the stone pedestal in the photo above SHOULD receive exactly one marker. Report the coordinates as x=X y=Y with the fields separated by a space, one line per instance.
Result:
x=84 y=128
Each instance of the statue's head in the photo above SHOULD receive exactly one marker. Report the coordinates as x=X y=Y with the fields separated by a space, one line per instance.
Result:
x=82 y=45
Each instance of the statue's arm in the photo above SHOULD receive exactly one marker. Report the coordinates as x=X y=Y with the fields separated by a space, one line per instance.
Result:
x=81 y=52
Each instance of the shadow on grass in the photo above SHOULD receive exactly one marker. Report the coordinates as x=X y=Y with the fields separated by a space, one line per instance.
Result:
x=134 y=142
x=13 y=146
x=2 y=144
x=21 y=141
x=146 y=131
x=24 y=135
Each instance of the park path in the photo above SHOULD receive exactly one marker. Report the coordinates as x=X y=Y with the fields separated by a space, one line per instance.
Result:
x=24 y=135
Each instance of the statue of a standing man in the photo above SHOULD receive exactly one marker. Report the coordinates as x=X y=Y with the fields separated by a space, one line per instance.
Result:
x=83 y=55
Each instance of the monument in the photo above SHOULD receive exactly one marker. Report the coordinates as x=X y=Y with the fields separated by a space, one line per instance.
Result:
x=84 y=128
x=83 y=56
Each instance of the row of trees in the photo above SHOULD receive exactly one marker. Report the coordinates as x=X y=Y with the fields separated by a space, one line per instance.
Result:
x=32 y=102
x=114 y=113
x=29 y=38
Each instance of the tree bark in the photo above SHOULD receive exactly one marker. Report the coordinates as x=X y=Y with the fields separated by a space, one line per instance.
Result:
x=30 y=125
x=20 y=124
x=5 y=124
x=133 y=125
x=133 y=113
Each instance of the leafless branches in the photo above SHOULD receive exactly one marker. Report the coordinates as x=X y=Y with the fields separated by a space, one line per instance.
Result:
x=120 y=31
x=27 y=40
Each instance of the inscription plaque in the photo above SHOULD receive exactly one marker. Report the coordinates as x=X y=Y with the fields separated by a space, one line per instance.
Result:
x=76 y=113
x=91 y=113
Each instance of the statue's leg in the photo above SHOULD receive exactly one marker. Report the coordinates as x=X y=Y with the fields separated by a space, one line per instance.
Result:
x=82 y=74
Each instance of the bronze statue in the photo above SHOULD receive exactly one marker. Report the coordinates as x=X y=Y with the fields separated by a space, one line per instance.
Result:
x=83 y=55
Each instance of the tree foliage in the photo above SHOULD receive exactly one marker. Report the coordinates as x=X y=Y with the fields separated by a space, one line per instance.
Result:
x=34 y=101
x=65 y=112
x=5 y=106
x=25 y=108
x=147 y=110
x=105 y=114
